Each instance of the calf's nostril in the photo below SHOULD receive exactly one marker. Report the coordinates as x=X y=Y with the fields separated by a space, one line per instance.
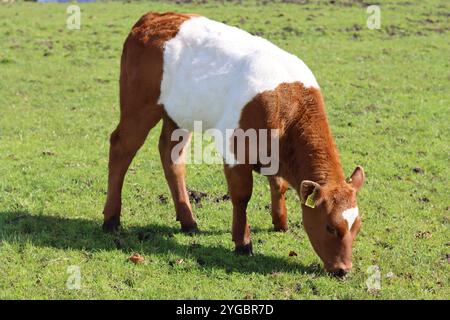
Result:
x=340 y=272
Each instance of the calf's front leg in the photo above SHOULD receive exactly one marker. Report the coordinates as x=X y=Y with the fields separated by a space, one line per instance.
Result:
x=240 y=185
x=278 y=188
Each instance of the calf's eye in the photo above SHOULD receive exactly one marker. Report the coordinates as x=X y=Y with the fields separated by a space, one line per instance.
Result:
x=331 y=230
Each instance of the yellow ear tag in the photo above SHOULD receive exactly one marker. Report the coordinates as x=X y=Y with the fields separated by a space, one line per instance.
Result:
x=310 y=200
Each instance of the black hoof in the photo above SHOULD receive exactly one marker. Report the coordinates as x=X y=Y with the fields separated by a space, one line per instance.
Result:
x=190 y=229
x=245 y=250
x=111 y=226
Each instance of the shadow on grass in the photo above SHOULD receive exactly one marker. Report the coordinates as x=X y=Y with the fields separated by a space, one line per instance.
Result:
x=87 y=235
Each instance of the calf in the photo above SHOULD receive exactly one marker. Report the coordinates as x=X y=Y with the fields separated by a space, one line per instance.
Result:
x=184 y=68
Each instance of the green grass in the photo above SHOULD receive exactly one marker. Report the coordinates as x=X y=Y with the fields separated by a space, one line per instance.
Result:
x=387 y=96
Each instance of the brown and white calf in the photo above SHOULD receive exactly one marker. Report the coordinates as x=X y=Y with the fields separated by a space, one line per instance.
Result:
x=184 y=68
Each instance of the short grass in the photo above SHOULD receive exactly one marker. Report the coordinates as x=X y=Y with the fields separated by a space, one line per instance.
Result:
x=387 y=95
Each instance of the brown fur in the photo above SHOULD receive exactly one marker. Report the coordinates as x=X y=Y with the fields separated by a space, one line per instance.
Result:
x=307 y=149
x=154 y=29
x=308 y=156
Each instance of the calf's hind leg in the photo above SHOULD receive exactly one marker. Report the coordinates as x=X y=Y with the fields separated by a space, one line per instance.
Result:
x=125 y=141
x=174 y=170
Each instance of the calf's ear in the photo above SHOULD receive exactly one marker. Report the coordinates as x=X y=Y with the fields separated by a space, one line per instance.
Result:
x=357 y=178
x=310 y=193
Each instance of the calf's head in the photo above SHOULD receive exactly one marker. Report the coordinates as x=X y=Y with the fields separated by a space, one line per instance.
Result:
x=331 y=220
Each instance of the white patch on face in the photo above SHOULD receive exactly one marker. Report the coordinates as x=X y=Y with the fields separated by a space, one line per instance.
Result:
x=211 y=71
x=350 y=216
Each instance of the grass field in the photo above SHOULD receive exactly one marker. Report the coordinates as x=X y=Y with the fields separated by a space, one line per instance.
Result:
x=387 y=96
